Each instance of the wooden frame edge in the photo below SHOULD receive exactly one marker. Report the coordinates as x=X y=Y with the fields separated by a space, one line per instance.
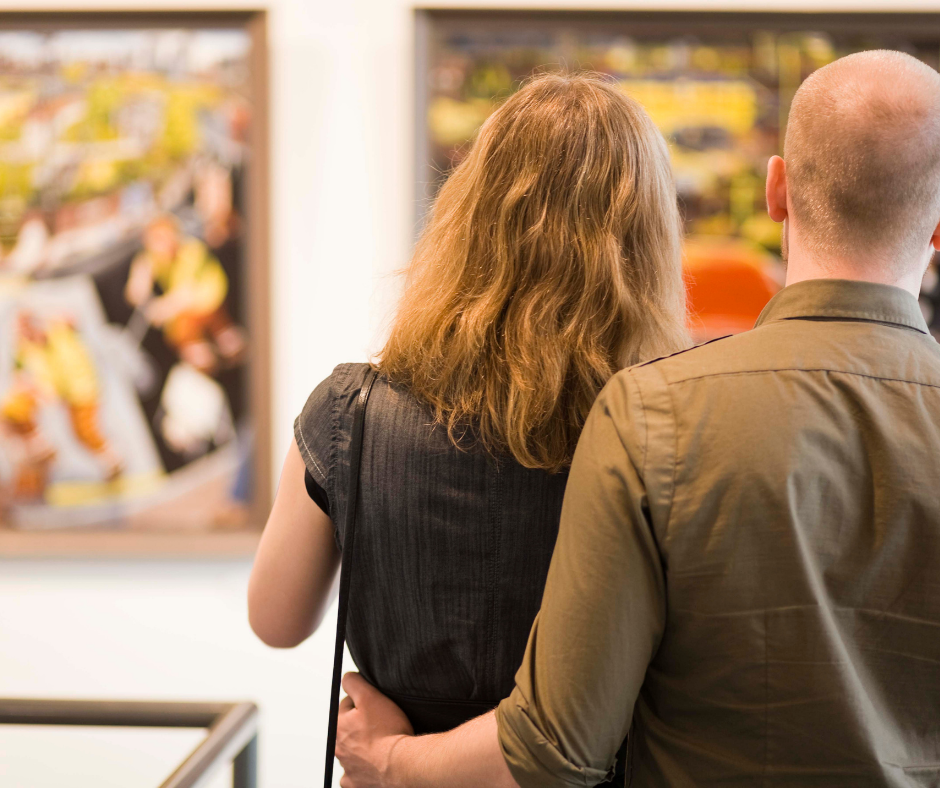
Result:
x=129 y=544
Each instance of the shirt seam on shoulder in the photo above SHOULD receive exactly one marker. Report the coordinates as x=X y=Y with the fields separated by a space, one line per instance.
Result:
x=341 y=377
x=338 y=372
x=639 y=394
x=802 y=369
x=675 y=463
x=674 y=459
x=309 y=453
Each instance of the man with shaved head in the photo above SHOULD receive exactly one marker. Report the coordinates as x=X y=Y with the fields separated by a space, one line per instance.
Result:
x=746 y=584
x=859 y=192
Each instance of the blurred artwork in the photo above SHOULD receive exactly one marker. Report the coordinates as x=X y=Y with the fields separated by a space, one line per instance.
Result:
x=74 y=436
x=718 y=86
x=123 y=344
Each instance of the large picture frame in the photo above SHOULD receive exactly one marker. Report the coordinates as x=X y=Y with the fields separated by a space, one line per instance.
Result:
x=719 y=86
x=134 y=265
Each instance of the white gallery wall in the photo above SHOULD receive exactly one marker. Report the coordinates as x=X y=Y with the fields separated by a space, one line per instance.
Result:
x=342 y=222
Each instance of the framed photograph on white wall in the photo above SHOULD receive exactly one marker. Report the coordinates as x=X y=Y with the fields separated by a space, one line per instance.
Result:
x=134 y=402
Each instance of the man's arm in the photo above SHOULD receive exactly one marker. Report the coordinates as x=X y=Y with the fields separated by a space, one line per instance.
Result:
x=603 y=612
x=602 y=617
x=376 y=749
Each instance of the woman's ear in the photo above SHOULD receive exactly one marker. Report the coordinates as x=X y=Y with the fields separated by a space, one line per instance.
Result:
x=777 y=189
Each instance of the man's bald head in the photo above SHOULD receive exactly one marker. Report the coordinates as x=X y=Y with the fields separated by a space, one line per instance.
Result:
x=863 y=159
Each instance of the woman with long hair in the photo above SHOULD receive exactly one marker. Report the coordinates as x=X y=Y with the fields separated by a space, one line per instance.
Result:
x=550 y=261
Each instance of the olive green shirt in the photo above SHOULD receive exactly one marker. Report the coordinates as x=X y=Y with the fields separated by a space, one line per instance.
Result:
x=748 y=565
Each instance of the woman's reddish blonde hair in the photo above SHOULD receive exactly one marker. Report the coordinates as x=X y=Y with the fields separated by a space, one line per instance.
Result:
x=551 y=259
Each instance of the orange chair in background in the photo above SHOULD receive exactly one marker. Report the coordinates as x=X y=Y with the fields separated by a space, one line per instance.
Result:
x=728 y=282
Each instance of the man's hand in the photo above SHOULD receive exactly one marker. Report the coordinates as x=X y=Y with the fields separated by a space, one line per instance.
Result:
x=378 y=749
x=370 y=726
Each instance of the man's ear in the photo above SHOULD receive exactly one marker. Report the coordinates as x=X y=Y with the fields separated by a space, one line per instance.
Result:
x=777 y=189
x=935 y=240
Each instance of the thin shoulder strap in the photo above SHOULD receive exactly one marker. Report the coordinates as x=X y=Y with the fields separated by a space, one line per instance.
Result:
x=349 y=544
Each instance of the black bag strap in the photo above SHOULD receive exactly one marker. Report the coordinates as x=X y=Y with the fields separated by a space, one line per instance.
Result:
x=349 y=544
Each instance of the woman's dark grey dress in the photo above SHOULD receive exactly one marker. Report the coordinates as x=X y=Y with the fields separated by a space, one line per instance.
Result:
x=452 y=551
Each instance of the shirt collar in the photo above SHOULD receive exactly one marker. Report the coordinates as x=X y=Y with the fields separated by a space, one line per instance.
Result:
x=847 y=299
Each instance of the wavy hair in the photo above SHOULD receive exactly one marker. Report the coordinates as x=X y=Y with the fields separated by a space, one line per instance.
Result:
x=551 y=259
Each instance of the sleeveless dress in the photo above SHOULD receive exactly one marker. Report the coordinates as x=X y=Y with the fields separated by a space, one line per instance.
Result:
x=452 y=550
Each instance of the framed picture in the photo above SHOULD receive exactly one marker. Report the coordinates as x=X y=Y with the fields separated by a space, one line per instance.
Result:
x=718 y=85
x=134 y=402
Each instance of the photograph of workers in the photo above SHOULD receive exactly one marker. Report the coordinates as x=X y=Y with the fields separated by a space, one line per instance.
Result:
x=719 y=98
x=123 y=344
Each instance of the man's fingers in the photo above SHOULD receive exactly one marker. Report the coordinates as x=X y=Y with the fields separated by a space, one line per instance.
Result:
x=346 y=704
x=357 y=688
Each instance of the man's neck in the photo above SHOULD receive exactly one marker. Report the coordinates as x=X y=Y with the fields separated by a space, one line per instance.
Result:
x=802 y=269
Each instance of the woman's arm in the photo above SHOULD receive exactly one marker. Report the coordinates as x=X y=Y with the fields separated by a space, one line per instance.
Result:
x=296 y=564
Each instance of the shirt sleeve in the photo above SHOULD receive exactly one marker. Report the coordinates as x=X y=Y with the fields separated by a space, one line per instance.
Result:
x=313 y=431
x=316 y=493
x=603 y=611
